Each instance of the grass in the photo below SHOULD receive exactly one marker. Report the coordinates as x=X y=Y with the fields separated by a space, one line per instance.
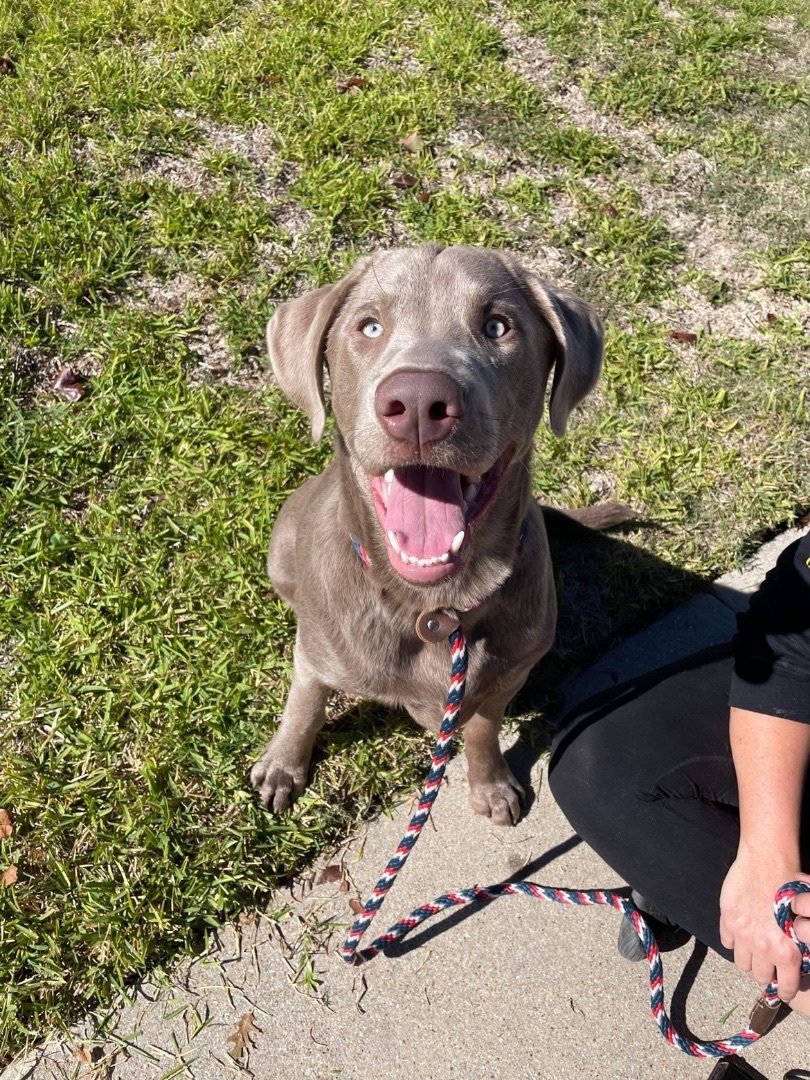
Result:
x=170 y=172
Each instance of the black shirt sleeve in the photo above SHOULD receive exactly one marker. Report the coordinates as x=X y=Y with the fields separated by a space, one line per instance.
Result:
x=772 y=643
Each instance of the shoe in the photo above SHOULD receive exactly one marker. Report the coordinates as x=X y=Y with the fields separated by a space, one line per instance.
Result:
x=666 y=933
x=629 y=943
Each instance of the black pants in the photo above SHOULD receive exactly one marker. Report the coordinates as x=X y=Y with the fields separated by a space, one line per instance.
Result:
x=644 y=774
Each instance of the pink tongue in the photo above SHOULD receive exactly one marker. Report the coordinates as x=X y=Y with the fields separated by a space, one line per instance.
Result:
x=425 y=510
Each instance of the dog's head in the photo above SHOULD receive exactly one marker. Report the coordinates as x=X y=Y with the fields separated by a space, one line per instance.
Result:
x=438 y=359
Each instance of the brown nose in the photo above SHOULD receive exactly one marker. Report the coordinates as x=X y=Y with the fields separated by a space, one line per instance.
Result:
x=419 y=406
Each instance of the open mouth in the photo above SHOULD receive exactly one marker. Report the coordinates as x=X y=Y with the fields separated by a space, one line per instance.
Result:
x=427 y=516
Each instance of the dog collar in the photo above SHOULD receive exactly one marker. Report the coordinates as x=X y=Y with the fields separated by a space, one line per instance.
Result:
x=360 y=552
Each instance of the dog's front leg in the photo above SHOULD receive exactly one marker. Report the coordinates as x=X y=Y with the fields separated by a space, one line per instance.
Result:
x=280 y=774
x=494 y=791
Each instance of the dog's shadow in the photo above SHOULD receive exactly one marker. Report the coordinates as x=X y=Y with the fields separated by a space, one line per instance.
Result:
x=607 y=588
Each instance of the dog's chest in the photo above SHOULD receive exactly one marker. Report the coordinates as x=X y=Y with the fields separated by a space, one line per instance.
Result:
x=377 y=655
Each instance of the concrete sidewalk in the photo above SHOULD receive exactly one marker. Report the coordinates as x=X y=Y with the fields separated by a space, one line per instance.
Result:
x=519 y=988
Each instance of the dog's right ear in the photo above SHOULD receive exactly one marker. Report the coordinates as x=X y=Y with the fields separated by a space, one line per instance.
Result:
x=296 y=341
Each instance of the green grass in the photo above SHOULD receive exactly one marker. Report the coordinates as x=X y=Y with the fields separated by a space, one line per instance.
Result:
x=170 y=172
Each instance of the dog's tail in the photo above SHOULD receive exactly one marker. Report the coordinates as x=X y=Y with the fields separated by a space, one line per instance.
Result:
x=600 y=517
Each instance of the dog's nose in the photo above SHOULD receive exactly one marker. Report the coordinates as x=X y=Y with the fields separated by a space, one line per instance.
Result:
x=419 y=406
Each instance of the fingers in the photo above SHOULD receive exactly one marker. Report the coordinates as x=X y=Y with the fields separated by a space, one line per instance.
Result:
x=800 y=905
x=788 y=961
x=773 y=961
x=726 y=936
x=788 y=976
x=743 y=957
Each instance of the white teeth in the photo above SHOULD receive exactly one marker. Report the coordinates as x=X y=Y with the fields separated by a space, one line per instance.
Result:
x=389 y=476
x=474 y=480
x=470 y=492
x=435 y=560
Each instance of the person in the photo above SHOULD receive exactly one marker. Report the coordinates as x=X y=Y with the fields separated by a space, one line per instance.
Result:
x=699 y=798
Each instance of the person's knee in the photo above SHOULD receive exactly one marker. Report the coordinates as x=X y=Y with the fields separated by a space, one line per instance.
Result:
x=577 y=775
x=594 y=774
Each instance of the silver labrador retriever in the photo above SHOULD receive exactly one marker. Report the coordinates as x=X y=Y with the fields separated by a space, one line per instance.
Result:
x=438 y=359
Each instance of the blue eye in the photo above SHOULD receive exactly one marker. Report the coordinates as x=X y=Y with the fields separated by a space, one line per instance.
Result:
x=495 y=328
x=371 y=328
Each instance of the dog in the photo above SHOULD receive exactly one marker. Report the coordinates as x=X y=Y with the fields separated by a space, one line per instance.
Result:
x=439 y=360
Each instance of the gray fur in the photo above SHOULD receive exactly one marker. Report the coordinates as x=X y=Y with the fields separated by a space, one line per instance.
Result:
x=356 y=623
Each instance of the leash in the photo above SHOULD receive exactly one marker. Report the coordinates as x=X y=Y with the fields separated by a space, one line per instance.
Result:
x=429 y=625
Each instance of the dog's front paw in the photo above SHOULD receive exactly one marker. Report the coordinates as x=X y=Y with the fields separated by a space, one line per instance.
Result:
x=498 y=798
x=278 y=782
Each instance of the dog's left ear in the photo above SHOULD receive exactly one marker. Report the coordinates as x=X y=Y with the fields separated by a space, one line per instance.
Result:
x=579 y=334
x=296 y=341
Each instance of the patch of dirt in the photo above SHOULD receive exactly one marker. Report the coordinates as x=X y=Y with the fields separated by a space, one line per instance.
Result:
x=465 y=146
x=172 y=296
x=533 y=61
x=294 y=219
x=400 y=59
x=182 y=172
x=215 y=362
x=679 y=194
x=253 y=144
x=271 y=178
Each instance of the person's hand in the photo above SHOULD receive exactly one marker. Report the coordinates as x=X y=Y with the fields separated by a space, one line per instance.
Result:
x=747 y=924
x=801 y=911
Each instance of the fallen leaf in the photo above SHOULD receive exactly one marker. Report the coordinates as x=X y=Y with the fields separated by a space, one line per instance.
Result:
x=611 y=211
x=70 y=384
x=771 y=318
x=404 y=180
x=424 y=196
x=352 y=85
x=9 y=876
x=413 y=142
x=268 y=80
x=83 y=1054
x=6 y=828
x=344 y=885
x=683 y=336
x=242 y=1038
x=356 y=906
x=329 y=873
x=7 y=65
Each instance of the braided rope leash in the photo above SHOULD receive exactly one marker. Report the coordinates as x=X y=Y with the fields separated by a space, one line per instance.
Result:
x=575 y=897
